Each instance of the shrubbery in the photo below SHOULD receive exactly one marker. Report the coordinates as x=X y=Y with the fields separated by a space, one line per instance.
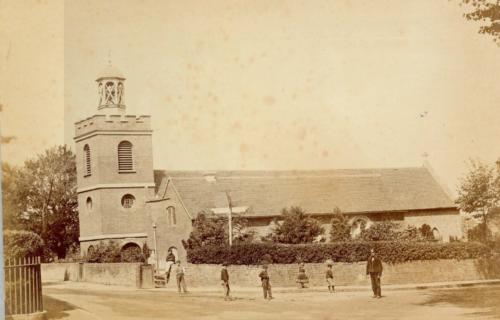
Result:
x=20 y=243
x=340 y=228
x=353 y=251
x=297 y=227
x=109 y=252
x=209 y=229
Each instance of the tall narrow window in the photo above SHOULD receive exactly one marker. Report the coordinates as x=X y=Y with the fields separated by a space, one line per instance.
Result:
x=86 y=160
x=125 y=160
x=172 y=220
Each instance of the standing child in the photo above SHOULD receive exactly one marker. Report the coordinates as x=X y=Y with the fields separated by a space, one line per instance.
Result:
x=329 y=277
x=179 y=274
x=224 y=277
x=302 y=278
x=170 y=261
x=266 y=285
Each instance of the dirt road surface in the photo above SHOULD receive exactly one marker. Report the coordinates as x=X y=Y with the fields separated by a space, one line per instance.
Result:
x=76 y=301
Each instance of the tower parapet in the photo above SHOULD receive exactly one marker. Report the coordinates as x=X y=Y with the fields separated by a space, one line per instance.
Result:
x=118 y=122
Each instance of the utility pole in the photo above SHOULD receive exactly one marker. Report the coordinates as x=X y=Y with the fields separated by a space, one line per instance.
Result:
x=230 y=218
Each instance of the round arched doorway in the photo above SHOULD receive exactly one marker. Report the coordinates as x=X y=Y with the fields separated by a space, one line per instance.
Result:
x=131 y=252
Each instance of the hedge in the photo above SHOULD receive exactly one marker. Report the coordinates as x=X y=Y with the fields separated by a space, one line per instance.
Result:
x=389 y=252
x=20 y=243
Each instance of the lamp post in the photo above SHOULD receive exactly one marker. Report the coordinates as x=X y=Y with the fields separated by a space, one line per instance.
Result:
x=154 y=244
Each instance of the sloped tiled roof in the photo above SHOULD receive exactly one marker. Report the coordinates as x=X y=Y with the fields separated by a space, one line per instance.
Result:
x=318 y=191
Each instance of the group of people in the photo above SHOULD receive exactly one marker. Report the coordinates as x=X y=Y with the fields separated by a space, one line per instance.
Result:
x=373 y=269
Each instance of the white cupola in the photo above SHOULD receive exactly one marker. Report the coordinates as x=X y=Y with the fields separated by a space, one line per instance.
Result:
x=110 y=86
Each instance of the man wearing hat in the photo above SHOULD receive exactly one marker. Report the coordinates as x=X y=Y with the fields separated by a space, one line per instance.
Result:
x=224 y=277
x=266 y=285
x=374 y=269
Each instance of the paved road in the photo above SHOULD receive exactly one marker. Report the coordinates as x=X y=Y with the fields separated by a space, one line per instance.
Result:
x=78 y=301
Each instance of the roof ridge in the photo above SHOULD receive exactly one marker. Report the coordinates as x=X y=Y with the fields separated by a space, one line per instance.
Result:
x=278 y=171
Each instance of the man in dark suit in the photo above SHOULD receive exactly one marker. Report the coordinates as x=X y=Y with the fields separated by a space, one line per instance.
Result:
x=374 y=269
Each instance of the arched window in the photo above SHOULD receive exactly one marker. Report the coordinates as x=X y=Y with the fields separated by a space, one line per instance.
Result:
x=358 y=226
x=436 y=235
x=128 y=201
x=125 y=160
x=131 y=252
x=89 y=204
x=90 y=250
x=86 y=160
x=171 y=218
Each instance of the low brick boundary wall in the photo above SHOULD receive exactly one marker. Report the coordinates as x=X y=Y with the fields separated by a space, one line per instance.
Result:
x=122 y=274
x=59 y=272
x=284 y=275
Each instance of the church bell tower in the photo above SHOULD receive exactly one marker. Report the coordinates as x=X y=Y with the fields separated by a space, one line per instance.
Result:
x=114 y=161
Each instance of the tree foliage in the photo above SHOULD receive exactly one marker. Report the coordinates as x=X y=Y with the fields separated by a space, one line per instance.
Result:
x=21 y=243
x=105 y=252
x=392 y=231
x=42 y=198
x=488 y=12
x=210 y=229
x=479 y=192
x=352 y=251
x=297 y=227
x=11 y=206
x=381 y=231
x=132 y=254
x=340 y=229
x=426 y=232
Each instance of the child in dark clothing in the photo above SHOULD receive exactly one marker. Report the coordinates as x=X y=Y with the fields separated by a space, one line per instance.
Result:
x=224 y=277
x=266 y=285
x=329 y=278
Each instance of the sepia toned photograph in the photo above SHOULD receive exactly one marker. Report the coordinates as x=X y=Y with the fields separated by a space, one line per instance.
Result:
x=250 y=159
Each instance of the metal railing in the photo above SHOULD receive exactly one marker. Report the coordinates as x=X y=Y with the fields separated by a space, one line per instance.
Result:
x=23 y=286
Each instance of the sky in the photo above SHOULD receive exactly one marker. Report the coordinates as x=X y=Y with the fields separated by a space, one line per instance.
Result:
x=259 y=84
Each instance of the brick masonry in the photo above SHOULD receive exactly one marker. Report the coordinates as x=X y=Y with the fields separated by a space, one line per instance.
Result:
x=353 y=274
x=284 y=275
x=121 y=274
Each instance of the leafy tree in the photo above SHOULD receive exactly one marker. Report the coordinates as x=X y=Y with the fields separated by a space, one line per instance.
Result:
x=210 y=229
x=45 y=199
x=382 y=231
x=105 y=252
x=487 y=11
x=132 y=254
x=340 y=229
x=297 y=227
x=11 y=206
x=426 y=232
x=479 y=233
x=21 y=243
x=479 y=193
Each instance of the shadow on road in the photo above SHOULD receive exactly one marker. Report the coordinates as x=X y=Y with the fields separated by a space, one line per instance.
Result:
x=56 y=308
x=485 y=298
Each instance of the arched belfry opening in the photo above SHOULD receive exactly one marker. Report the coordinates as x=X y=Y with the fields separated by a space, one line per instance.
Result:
x=110 y=87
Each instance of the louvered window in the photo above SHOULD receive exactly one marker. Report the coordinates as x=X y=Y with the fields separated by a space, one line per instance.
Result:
x=86 y=160
x=125 y=160
x=172 y=220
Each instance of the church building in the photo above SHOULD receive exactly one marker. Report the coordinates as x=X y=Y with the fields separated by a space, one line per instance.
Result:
x=122 y=197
